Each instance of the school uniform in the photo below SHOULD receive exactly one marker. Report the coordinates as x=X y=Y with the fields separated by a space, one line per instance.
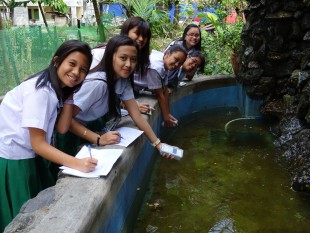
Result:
x=92 y=99
x=23 y=174
x=180 y=42
x=174 y=77
x=97 y=56
x=155 y=77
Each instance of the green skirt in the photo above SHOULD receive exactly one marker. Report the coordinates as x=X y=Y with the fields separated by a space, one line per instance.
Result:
x=20 y=180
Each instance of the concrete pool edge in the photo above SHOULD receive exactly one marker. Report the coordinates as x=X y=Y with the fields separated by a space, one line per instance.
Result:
x=102 y=205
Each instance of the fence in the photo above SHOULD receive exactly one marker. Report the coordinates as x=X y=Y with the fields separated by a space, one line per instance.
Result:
x=26 y=51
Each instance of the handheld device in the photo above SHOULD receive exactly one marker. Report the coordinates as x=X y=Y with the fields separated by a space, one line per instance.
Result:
x=173 y=150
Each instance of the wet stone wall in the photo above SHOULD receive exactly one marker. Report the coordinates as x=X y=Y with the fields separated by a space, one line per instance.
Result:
x=274 y=65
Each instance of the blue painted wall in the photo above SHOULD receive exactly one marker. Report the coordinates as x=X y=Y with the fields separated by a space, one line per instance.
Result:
x=116 y=10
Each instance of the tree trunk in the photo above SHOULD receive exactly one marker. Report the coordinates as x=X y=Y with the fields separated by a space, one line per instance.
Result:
x=1 y=27
x=102 y=37
x=176 y=13
x=234 y=63
x=45 y=23
x=43 y=16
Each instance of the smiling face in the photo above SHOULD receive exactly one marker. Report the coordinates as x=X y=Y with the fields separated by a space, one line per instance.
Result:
x=173 y=61
x=133 y=34
x=192 y=37
x=124 y=61
x=73 y=70
x=191 y=63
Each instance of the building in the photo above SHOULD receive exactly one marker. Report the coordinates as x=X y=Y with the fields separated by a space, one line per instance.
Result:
x=31 y=15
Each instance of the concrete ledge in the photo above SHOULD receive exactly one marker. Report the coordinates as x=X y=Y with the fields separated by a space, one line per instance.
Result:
x=103 y=204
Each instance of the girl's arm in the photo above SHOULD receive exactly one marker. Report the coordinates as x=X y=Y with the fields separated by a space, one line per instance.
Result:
x=111 y=137
x=163 y=101
x=42 y=148
x=133 y=110
x=143 y=107
x=143 y=125
x=80 y=130
x=65 y=116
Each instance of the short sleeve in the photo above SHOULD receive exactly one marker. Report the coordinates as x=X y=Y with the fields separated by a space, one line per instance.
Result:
x=92 y=98
x=124 y=89
x=39 y=108
x=155 y=80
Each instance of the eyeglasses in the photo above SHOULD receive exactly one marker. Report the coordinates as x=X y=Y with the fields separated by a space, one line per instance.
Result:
x=194 y=60
x=193 y=35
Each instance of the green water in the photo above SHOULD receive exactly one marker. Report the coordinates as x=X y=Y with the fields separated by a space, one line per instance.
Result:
x=223 y=184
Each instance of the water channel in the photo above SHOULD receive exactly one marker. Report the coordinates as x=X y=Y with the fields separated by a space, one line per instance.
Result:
x=228 y=181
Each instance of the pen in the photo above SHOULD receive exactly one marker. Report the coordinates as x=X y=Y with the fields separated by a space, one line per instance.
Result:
x=89 y=150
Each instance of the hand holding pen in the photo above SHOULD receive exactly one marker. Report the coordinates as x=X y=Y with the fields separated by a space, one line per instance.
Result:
x=87 y=164
x=110 y=137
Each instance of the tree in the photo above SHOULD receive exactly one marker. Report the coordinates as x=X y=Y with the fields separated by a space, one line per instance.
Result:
x=57 y=5
x=102 y=37
x=148 y=9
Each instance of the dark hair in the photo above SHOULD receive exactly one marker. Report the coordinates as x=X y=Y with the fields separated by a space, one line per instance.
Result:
x=202 y=57
x=176 y=48
x=186 y=29
x=49 y=75
x=145 y=31
x=106 y=65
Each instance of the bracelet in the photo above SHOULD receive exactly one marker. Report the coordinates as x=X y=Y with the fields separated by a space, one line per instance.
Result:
x=156 y=142
x=69 y=102
x=98 y=139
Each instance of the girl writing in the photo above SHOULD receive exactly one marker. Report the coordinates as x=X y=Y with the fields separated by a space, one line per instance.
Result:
x=28 y=114
x=107 y=83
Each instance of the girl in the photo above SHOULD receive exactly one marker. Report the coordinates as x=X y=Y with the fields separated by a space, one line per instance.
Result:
x=191 y=41
x=93 y=116
x=27 y=118
x=104 y=87
x=195 y=61
x=191 y=38
x=138 y=30
x=155 y=78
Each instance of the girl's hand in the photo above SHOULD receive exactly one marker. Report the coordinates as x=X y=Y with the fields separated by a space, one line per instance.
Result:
x=172 y=118
x=164 y=155
x=110 y=137
x=145 y=108
x=171 y=122
x=87 y=164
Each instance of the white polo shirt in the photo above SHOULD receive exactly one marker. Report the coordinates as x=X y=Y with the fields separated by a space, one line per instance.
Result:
x=93 y=96
x=156 y=76
x=97 y=56
x=24 y=107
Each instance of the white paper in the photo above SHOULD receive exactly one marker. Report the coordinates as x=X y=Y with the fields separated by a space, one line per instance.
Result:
x=106 y=159
x=128 y=135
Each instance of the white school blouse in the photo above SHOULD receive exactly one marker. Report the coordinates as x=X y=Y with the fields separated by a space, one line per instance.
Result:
x=97 y=56
x=93 y=96
x=24 y=107
x=156 y=76
x=180 y=42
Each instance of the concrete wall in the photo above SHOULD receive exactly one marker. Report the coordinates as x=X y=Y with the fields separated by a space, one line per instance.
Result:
x=103 y=204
